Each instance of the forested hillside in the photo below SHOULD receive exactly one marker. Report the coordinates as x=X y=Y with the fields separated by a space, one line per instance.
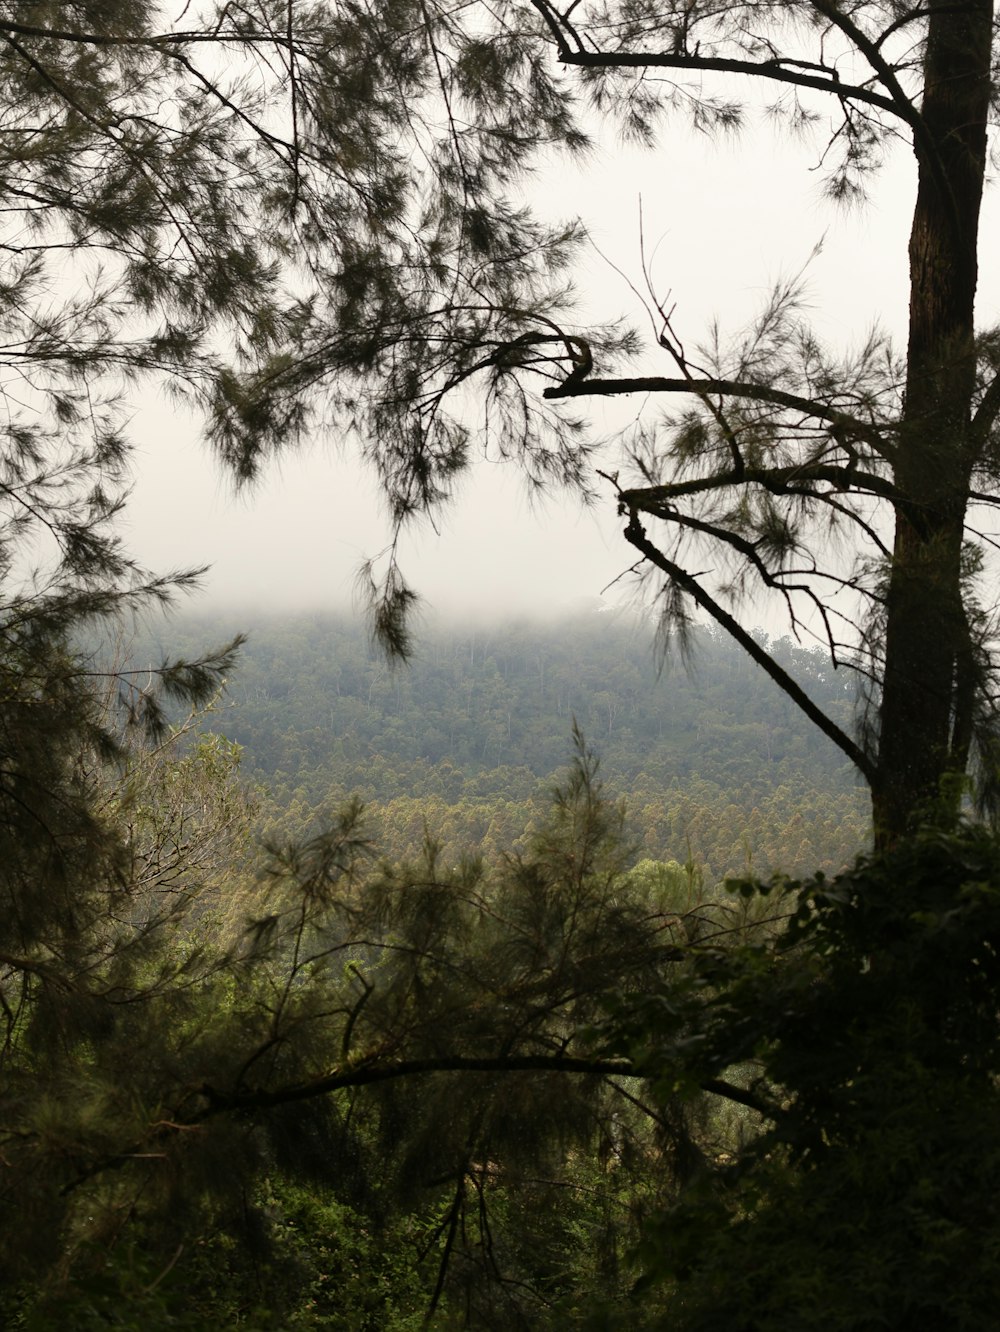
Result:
x=714 y=762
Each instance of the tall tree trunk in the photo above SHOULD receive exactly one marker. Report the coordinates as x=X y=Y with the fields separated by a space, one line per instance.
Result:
x=926 y=636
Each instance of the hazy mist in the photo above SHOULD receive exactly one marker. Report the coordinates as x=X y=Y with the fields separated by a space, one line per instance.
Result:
x=720 y=223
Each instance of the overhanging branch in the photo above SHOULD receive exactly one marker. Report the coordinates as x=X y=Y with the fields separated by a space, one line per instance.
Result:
x=778 y=480
x=779 y=69
x=776 y=69
x=368 y=1074
x=728 y=388
x=218 y=35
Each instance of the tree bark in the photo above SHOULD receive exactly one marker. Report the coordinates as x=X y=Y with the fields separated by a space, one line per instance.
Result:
x=926 y=629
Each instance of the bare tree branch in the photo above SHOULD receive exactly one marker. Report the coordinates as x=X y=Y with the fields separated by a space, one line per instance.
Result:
x=635 y=534
x=820 y=411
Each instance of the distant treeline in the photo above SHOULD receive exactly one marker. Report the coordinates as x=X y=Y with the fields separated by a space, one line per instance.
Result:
x=714 y=762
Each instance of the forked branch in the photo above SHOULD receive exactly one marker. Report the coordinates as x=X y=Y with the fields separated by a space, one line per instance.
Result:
x=636 y=536
x=573 y=52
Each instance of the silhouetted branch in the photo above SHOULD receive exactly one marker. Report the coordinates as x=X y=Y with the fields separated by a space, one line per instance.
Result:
x=635 y=534
x=820 y=411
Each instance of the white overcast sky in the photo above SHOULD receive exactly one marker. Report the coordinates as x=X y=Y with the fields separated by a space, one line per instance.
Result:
x=722 y=219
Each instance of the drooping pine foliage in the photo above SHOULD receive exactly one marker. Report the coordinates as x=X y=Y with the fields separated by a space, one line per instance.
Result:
x=102 y=858
x=441 y=1012
x=403 y=1047
x=303 y=216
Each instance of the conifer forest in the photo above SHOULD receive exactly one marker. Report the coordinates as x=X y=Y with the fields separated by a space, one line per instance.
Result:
x=388 y=970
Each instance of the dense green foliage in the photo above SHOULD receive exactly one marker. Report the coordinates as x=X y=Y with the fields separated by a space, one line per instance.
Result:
x=336 y=1088
x=549 y=1090
x=716 y=764
x=373 y=1095
x=868 y=1028
x=252 y=1098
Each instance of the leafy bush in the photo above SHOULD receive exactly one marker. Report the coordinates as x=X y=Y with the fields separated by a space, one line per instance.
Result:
x=867 y=1033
